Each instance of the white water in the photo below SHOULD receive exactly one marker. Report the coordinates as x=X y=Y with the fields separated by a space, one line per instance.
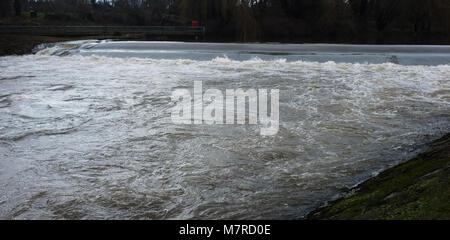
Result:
x=91 y=136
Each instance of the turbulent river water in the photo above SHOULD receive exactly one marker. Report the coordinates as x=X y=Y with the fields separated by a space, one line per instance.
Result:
x=86 y=132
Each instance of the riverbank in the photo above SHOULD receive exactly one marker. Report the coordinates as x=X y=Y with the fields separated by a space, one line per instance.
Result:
x=417 y=189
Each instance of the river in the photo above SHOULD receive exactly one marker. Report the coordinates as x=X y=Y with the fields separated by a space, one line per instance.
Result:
x=86 y=130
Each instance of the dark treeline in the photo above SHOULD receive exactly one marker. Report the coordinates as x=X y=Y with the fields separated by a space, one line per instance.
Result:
x=362 y=21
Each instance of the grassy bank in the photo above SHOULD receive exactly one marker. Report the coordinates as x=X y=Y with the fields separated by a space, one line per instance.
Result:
x=417 y=189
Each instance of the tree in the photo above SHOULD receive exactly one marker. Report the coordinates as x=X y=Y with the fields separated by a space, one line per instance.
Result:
x=385 y=11
x=18 y=7
x=247 y=26
x=5 y=8
x=360 y=10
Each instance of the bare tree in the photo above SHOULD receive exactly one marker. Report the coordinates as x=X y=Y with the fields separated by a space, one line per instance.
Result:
x=5 y=8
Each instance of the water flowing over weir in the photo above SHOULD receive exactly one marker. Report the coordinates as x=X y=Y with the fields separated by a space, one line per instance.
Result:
x=85 y=127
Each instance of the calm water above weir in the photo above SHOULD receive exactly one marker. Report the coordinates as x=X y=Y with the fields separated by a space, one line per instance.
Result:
x=85 y=127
